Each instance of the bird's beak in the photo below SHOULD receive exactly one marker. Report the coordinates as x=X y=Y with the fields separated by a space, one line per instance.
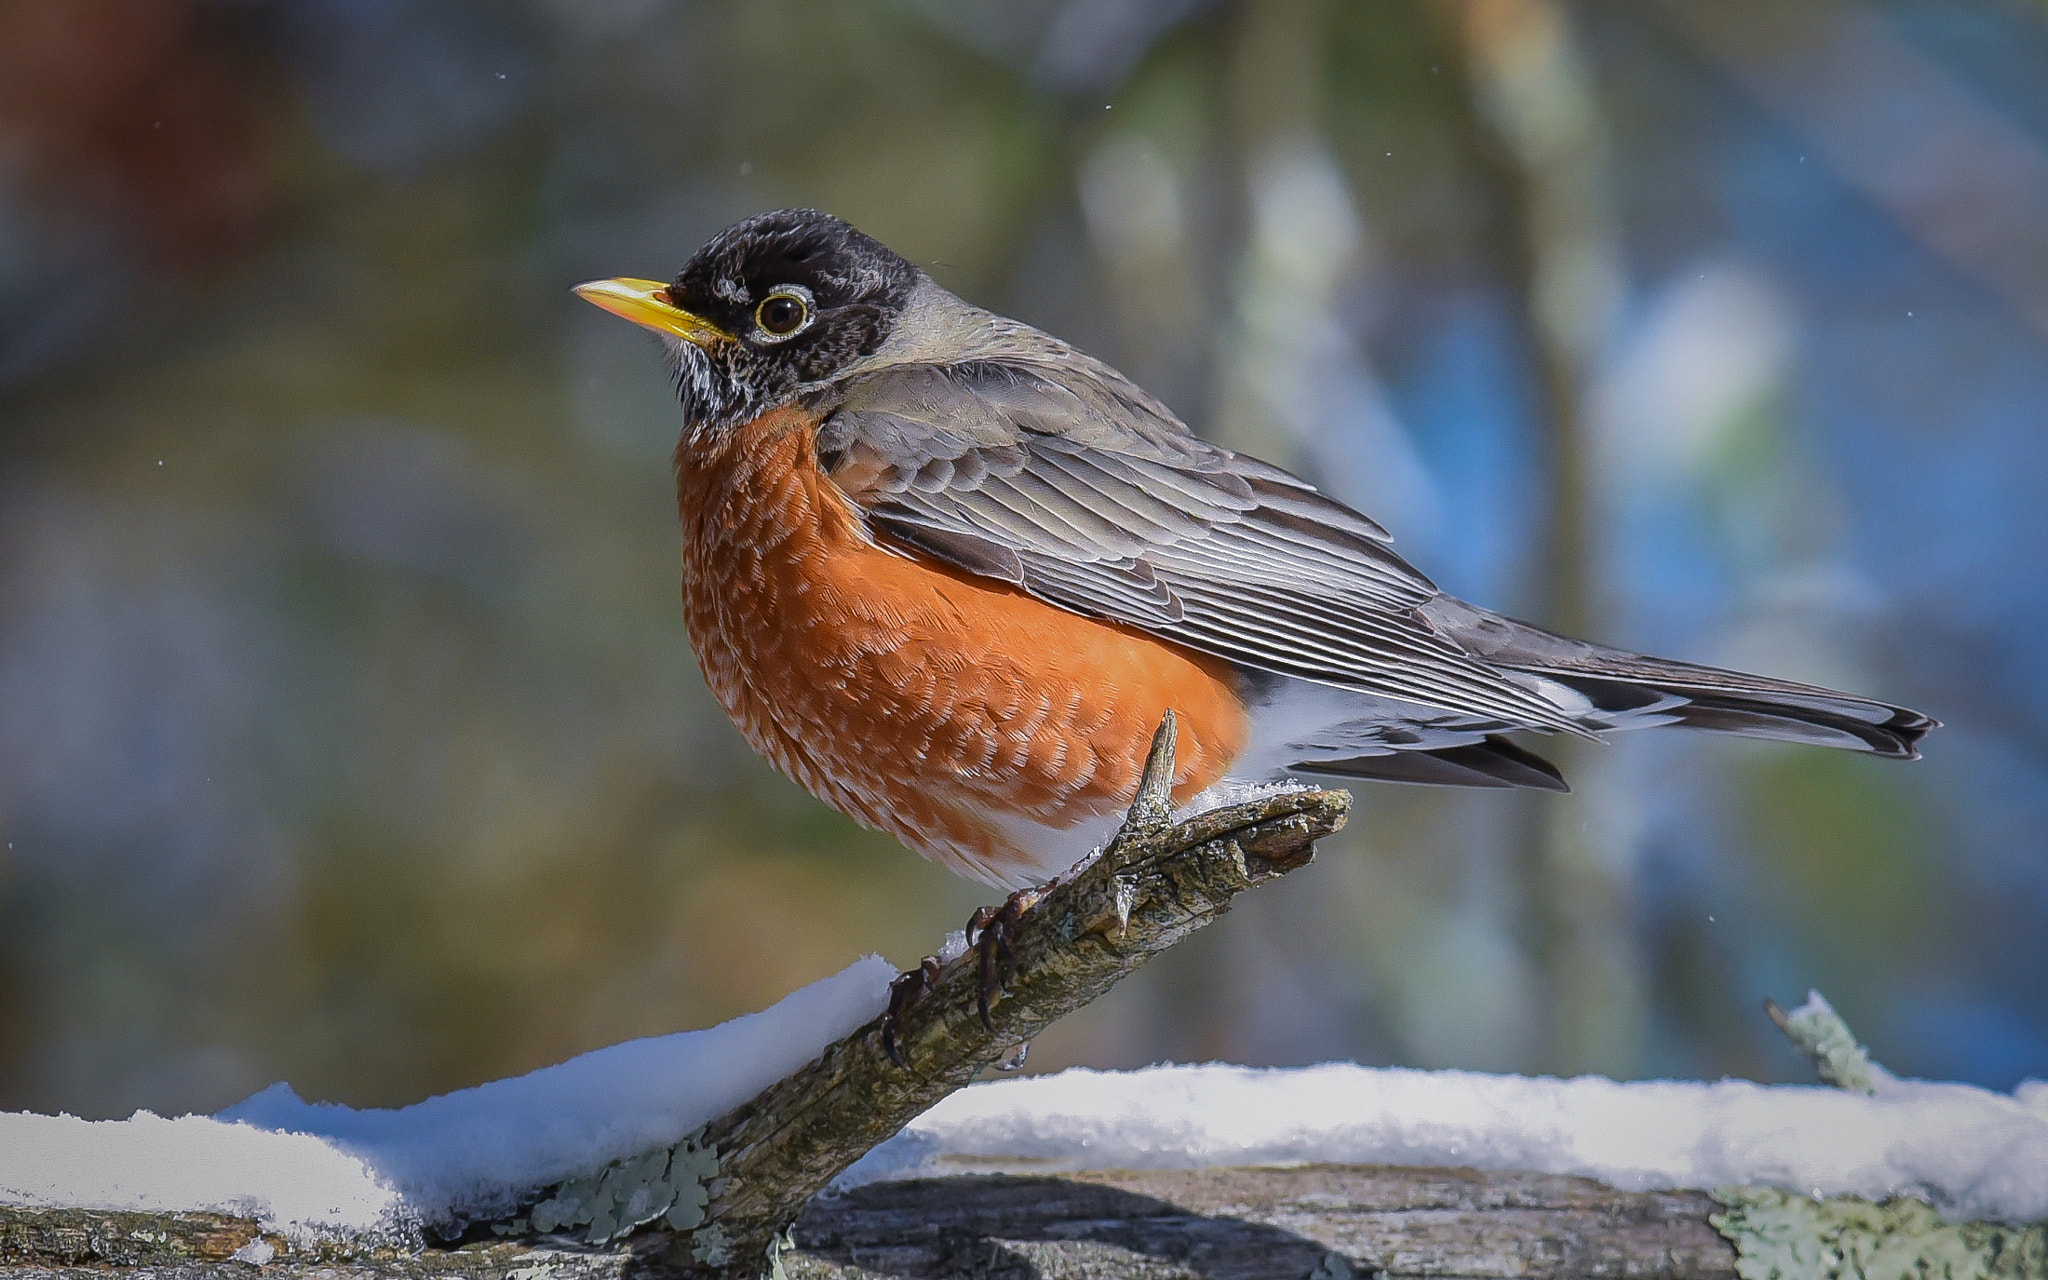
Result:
x=645 y=302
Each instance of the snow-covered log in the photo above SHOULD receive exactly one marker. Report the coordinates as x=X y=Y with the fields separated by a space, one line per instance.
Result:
x=1309 y=1222
x=709 y=1145
x=1321 y=1221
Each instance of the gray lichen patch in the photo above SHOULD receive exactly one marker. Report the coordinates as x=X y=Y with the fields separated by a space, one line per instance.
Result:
x=674 y=1184
x=1782 y=1235
x=711 y=1246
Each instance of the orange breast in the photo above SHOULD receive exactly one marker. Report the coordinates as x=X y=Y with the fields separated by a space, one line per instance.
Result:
x=954 y=713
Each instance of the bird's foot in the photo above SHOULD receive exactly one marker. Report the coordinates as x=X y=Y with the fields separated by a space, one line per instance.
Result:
x=988 y=932
x=904 y=993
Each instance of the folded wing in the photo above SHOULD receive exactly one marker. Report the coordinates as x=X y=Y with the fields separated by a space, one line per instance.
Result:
x=1071 y=483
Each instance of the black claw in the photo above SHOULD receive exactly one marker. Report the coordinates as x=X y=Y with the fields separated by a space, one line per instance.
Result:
x=980 y=932
x=989 y=928
x=905 y=992
x=985 y=996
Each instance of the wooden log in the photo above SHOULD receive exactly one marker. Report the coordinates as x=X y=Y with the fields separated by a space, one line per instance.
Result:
x=1325 y=1221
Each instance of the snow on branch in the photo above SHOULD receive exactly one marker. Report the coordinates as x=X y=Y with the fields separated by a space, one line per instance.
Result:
x=1157 y=882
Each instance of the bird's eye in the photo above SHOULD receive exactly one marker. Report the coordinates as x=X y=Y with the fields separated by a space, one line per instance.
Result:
x=782 y=314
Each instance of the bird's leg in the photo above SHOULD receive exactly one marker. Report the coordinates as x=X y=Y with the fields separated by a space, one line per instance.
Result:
x=988 y=930
x=905 y=992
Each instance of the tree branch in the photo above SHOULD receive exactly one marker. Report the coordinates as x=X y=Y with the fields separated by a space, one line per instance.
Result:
x=1156 y=883
x=727 y=1190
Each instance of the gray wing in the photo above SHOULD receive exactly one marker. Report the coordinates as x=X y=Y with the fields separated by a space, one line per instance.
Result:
x=1071 y=483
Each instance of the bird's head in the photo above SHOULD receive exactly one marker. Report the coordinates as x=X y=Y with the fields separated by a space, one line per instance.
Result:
x=770 y=310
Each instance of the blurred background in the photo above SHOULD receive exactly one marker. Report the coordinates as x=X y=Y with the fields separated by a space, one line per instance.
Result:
x=348 y=730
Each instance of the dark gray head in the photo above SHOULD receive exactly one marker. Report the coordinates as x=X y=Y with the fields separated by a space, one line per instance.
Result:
x=767 y=312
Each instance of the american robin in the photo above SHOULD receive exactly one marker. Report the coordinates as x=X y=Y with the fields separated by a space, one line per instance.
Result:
x=948 y=573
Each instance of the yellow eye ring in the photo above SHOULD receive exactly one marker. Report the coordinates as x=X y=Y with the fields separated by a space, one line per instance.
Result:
x=782 y=313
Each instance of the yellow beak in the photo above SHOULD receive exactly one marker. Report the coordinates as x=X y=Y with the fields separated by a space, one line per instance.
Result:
x=645 y=302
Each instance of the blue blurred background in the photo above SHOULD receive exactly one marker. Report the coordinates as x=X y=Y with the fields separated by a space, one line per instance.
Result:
x=348 y=731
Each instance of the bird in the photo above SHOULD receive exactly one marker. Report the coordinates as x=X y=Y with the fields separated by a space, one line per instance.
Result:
x=949 y=573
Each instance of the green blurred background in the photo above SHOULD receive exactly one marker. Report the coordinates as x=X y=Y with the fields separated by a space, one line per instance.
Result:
x=348 y=731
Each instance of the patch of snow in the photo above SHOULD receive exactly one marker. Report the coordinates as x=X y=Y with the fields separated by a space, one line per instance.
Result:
x=1970 y=1152
x=149 y=1163
x=310 y=1169
x=1229 y=791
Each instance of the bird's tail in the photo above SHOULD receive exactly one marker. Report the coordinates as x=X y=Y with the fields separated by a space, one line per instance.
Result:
x=1630 y=690
x=1621 y=690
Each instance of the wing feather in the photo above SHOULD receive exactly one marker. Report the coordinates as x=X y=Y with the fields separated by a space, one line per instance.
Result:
x=1146 y=516
x=1068 y=481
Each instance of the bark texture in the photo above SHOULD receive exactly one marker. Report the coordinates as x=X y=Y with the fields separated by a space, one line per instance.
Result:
x=1236 y=1224
x=1321 y=1221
